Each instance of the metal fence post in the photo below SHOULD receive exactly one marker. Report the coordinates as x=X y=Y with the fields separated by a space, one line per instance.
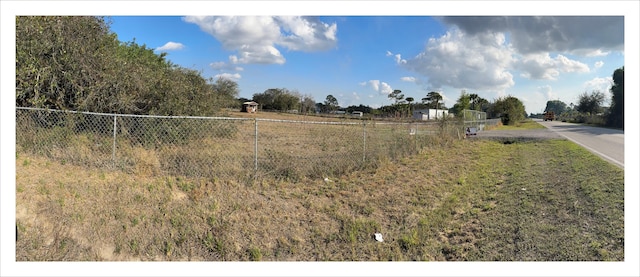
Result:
x=255 y=150
x=113 y=153
x=364 y=141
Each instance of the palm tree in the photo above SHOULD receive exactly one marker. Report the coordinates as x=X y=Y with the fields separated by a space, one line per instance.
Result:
x=433 y=97
x=409 y=99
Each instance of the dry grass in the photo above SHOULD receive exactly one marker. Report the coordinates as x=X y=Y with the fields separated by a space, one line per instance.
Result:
x=459 y=201
x=288 y=146
x=450 y=200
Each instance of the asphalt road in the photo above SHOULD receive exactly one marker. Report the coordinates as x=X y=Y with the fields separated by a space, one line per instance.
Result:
x=604 y=142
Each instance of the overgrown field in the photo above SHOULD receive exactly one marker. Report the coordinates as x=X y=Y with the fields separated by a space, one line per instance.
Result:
x=240 y=148
x=467 y=200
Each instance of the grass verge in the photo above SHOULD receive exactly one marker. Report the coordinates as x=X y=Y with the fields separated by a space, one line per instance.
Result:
x=522 y=125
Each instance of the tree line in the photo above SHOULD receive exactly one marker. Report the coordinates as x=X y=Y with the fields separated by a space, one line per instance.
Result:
x=589 y=107
x=510 y=109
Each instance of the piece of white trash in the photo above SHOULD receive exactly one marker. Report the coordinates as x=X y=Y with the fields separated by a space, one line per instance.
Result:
x=378 y=237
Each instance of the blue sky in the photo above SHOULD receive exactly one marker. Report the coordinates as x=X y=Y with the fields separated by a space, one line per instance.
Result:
x=360 y=59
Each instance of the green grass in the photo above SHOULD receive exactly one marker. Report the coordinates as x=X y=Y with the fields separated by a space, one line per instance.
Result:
x=522 y=125
x=468 y=200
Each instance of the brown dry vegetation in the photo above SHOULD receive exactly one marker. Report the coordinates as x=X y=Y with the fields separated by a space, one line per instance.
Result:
x=464 y=200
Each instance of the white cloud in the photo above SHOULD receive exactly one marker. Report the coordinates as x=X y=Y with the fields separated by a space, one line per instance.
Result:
x=598 y=64
x=375 y=84
x=461 y=61
x=547 y=92
x=398 y=58
x=261 y=54
x=378 y=86
x=601 y=84
x=567 y=65
x=385 y=88
x=355 y=96
x=225 y=66
x=483 y=53
x=306 y=34
x=591 y=52
x=169 y=46
x=255 y=37
x=233 y=77
x=237 y=31
x=542 y=66
x=408 y=79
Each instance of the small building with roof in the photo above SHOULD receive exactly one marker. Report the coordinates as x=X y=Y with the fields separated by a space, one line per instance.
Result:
x=249 y=107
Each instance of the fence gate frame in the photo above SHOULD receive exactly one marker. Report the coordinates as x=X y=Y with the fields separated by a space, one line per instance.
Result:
x=474 y=121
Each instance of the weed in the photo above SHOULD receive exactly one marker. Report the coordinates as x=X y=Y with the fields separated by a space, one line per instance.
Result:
x=409 y=241
x=255 y=254
x=358 y=230
x=118 y=248
x=176 y=222
x=214 y=244
x=139 y=198
x=134 y=247
x=78 y=217
x=186 y=186
x=43 y=189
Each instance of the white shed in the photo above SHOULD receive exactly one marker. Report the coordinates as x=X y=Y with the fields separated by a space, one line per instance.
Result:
x=430 y=114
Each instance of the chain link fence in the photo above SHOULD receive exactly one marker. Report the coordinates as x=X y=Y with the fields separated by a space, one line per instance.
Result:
x=476 y=121
x=221 y=147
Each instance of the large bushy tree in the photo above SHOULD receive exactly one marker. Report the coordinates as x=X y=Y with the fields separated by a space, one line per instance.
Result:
x=556 y=106
x=510 y=109
x=463 y=103
x=226 y=91
x=278 y=99
x=77 y=63
x=331 y=102
x=590 y=103
x=308 y=104
x=616 y=111
x=60 y=60
x=360 y=108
